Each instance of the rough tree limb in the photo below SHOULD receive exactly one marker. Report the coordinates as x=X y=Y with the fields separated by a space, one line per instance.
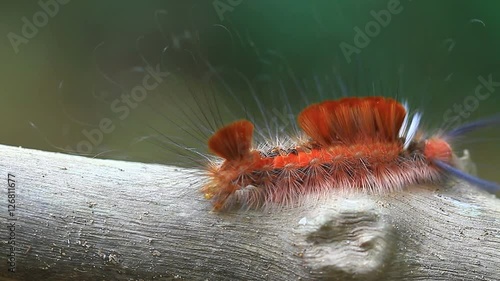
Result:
x=89 y=219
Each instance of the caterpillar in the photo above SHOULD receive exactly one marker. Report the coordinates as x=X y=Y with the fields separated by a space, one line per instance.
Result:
x=365 y=144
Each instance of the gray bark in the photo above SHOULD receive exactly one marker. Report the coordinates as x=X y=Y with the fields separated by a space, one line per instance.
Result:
x=88 y=219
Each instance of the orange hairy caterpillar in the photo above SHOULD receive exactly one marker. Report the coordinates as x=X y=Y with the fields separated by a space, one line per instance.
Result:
x=366 y=144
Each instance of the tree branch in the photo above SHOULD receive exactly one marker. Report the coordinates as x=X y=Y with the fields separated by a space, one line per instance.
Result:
x=90 y=219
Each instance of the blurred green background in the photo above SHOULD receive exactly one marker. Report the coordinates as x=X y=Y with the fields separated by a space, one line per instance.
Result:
x=62 y=76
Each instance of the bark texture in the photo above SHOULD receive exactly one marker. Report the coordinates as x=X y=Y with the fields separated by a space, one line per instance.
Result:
x=88 y=219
